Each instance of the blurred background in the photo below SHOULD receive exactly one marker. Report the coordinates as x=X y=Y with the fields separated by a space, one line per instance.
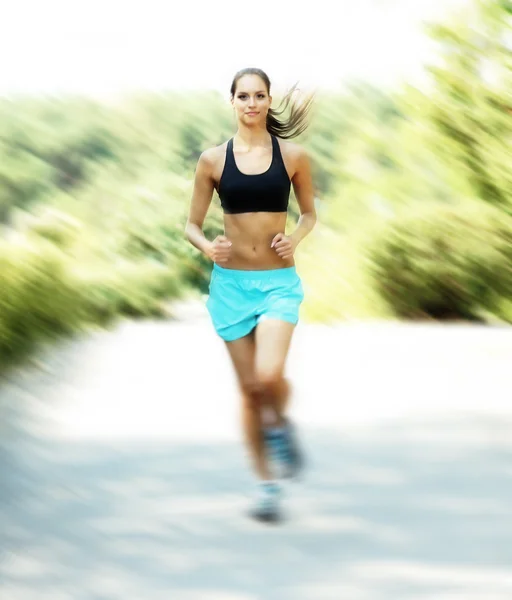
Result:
x=122 y=469
x=105 y=108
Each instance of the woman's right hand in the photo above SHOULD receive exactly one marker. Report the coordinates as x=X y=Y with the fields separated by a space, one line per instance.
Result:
x=220 y=249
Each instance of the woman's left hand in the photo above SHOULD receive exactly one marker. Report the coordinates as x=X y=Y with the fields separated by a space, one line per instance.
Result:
x=283 y=245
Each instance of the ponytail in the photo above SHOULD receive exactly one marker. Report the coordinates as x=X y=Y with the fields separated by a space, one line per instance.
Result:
x=297 y=121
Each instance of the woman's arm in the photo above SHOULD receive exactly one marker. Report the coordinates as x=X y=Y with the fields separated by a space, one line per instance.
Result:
x=304 y=192
x=219 y=249
x=201 y=199
x=285 y=245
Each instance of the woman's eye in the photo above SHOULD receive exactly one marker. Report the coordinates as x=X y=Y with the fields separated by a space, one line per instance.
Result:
x=244 y=97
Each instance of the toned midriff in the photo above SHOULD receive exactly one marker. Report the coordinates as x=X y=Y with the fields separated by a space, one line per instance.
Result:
x=251 y=235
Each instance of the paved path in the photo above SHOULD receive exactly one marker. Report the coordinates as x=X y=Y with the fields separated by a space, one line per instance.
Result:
x=123 y=475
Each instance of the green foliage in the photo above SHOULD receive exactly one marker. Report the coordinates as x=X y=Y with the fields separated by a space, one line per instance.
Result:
x=337 y=282
x=54 y=226
x=127 y=288
x=23 y=179
x=47 y=293
x=38 y=300
x=448 y=146
x=470 y=105
x=444 y=261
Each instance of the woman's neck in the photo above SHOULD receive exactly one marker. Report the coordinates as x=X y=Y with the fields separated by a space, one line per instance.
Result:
x=252 y=137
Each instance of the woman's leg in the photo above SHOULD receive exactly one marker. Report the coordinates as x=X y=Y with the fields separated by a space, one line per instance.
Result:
x=259 y=360
x=273 y=338
x=243 y=352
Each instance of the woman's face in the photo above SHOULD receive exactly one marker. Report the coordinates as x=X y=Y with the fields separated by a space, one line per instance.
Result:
x=251 y=100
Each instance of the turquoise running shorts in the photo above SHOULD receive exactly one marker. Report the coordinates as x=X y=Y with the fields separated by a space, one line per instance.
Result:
x=239 y=300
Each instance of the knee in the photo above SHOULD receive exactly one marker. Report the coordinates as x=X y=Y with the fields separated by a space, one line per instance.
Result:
x=266 y=383
x=251 y=390
x=270 y=381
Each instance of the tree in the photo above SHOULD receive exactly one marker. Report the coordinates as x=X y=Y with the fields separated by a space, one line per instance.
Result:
x=470 y=106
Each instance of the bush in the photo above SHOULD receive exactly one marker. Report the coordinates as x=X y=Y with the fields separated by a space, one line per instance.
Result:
x=38 y=298
x=445 y=261
x=127 y=288
x=46 y=293
x=336 y=282
x=55 y=226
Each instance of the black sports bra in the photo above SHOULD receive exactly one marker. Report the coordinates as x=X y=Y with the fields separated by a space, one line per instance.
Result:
x=264 y=192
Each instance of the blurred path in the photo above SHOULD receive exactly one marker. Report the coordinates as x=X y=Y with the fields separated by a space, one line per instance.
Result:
x=123 y=475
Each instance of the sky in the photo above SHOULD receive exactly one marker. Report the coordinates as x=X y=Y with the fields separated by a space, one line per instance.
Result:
x=103 y=47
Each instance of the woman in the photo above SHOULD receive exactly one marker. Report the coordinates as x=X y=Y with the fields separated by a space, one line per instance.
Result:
x=255 y=292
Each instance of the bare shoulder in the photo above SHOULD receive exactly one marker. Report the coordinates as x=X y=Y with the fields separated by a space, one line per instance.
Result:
x=210 y=156
x=292 y=151
x=294 y=155
x=211 y=160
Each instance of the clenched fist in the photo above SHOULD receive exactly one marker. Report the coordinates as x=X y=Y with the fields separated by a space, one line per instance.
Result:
x=283 y=245
x=220 y=249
